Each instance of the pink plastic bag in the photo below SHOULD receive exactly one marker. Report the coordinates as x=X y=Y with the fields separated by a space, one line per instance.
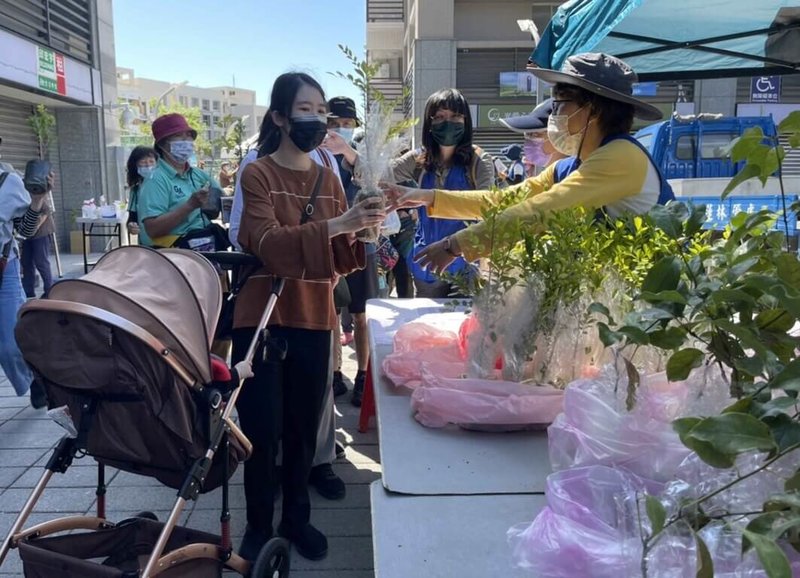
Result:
x=579 y=533
x=441 y=400
x=590 y=431
x=420 y=336
x=405 y=368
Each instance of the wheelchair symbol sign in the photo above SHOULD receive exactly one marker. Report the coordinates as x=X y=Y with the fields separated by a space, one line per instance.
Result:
x=765 y=89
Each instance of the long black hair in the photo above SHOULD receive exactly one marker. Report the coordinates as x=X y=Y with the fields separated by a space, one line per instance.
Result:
x=450 y=99
x=284 y=92
x=141 y=152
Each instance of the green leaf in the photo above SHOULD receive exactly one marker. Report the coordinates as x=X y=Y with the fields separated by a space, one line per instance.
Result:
x=607 y=337
x=697 y=218
x=740 y=406
x=669 y=338
x=663 y=297
x=684 y=425
x=682 y=362
x=788 y=269
x=785 y=430
x=791 y=123
x=793 y=483
x=775 y=320
x=655 y=513
x=705 y=565
x=748 y=172
x=770 y=554
x=731 y=295
x=743 y=147
x=780 y=502
x=601 y=309
x=634 y=334
x=744 y=335
x=788 y=377
x=704 y=450
x=663 y=276
x=733 y=433
x=741 y=266
x=667 y=219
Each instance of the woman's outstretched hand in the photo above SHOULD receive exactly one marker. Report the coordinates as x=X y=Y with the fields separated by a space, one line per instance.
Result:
x=400 y=197
x=438 y=256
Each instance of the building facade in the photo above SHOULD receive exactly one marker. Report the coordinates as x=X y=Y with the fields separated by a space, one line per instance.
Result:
x=147 y=97
x=478 y=47
x=60 y=53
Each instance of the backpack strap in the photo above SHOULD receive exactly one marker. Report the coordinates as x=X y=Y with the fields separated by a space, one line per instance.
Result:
x=473 y=168
x=325 y=158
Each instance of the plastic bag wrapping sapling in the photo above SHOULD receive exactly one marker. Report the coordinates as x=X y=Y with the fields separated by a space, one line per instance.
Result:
x=596 y=428
x=579 y=533
x=418 y=345
x=440 y=400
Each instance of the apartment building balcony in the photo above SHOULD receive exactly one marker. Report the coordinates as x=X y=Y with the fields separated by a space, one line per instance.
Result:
x=385 y=11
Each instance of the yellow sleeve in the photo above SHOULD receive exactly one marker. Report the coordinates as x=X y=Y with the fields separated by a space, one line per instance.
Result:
x=469 y=204
x=613 y=172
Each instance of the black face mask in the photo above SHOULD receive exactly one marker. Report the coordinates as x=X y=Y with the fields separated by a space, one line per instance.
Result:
x=307 y=132
x=448 y=133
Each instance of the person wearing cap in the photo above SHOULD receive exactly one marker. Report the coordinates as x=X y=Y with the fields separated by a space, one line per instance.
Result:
x=170 y=202
x=362 y=284
x=516 y=172
x=606 y=169
x=537 y=150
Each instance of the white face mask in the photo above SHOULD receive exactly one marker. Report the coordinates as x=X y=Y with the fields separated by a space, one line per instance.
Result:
x=345 y=133
x=181 y=150
x=559 y=135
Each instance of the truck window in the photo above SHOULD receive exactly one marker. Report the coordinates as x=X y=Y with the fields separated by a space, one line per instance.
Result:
x=686 y=147
x=715 y=145
x=646 y=140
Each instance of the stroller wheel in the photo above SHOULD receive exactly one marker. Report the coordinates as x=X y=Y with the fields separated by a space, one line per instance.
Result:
x=273 y=560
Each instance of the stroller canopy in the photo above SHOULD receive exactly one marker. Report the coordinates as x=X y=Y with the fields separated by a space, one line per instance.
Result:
x=173 y=294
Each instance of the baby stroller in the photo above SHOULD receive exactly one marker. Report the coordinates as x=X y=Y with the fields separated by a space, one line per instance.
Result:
x=123 y=353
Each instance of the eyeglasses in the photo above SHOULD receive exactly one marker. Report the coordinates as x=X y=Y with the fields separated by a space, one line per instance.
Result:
x=440 y=118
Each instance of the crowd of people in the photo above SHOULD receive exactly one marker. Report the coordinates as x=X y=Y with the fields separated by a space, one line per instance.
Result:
x=294 y=208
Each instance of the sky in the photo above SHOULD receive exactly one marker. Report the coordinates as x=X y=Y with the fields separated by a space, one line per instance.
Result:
x=209 y=42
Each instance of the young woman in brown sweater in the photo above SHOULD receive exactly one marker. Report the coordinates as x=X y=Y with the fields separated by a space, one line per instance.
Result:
x=284 y=398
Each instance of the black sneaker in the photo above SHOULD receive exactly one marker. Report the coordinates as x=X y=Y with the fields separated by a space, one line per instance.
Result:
x=327 y=483
x=252 y=542
x=339 y=386
x=308 y=541
x=340 y=451
x=358 y=388
x=38 y=395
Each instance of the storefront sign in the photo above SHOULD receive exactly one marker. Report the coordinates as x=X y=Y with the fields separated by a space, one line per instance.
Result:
x=51 y=71
x=765 y=89
x=26 y=63
x=489 y=115
x=645 y=89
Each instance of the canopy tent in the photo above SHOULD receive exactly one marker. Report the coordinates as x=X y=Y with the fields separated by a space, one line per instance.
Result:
x=678 y=39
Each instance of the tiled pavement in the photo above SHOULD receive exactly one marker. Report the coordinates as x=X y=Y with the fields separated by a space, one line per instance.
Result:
x=27 y=436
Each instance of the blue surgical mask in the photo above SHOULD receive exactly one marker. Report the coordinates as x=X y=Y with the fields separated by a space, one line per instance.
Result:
x=181 y=150
x=146 y=172
x=345 y=133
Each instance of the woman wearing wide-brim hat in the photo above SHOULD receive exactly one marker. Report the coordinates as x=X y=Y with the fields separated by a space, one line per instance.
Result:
x=605 y=169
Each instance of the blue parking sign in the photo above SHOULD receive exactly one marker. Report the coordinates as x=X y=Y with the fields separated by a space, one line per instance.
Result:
x=765 y=89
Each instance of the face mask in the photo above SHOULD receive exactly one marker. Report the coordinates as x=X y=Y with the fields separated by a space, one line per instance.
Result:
x=447 y=133
x=307 y=132
x=345 y=133
x=558 y=133
x=181 y=150
x=146 y=172
x=534 y=152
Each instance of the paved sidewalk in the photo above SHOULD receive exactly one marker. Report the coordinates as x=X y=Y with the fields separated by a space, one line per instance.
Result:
x=27 y=436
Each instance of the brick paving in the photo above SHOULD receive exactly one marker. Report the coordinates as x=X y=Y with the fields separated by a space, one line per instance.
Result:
x=27 y=436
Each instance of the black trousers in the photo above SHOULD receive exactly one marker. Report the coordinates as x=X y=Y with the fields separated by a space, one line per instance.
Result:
x=282 y=403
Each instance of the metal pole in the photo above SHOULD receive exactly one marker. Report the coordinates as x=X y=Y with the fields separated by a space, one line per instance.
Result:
x=54 y=238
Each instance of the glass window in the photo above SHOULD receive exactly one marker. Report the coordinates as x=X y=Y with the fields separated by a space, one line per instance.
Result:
x=207 y=120
x=195 y=102
x=183 y=100
x=715 y=145
x=646 y=140
x=215 y=105
x=686 y=148
x=206 y=104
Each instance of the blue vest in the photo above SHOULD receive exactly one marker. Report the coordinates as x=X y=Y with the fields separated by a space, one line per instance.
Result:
x=566 y=166
x=430 y=230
